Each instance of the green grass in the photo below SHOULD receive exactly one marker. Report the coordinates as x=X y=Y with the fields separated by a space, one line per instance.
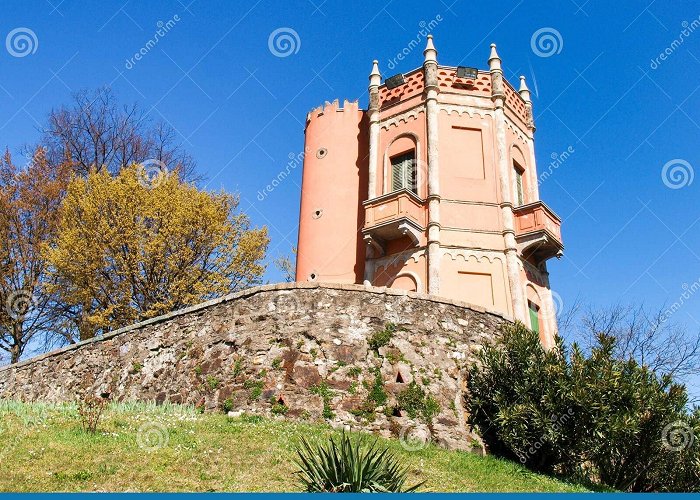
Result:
x=143 y=447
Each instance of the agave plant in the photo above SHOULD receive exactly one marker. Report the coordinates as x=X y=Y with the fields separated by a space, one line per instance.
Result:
x=350 y=467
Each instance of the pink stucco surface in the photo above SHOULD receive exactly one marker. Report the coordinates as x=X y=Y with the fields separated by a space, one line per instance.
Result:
x=383 y=239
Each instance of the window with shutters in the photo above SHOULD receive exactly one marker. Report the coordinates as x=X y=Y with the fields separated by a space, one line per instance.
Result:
x=403 y=172
x=534 y=316
x=519 y=192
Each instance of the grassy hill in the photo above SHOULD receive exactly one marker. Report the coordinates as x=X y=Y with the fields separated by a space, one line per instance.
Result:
x=141 y=447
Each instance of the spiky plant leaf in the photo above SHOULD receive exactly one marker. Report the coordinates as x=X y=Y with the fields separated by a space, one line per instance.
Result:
x=350 y=466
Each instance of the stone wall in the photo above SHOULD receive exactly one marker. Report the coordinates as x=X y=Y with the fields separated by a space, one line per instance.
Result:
x=295 y=350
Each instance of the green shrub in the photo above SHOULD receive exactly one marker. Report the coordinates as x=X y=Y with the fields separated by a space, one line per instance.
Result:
x=227 y=405
x=254 y=388
x=417 y=403
x=278 y=407
x=237 y=368
x=350 y=467
x=326 y=394
x=376 y=396
x=592 y=416
x=212 y=382
x=382 y=337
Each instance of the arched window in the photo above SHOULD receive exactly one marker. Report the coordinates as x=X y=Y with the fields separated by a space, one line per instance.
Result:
x=403 y=172
x=534 y=310
x=519 y=189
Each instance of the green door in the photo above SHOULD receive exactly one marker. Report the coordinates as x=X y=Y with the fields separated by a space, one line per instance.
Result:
x=534 y=317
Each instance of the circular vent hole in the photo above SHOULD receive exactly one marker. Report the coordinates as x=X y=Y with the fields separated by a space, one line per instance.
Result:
x=317 y=213
x=321 y=153
x=312 y=277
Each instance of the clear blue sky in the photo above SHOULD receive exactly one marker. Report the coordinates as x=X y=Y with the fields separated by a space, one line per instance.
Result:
x=239 y=109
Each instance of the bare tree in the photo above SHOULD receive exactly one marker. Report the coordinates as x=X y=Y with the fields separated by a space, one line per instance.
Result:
x=287 y=266
x=645 y=335
x=96 y=132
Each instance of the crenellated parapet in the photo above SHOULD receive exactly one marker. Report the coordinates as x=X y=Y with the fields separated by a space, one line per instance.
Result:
x=330 y=107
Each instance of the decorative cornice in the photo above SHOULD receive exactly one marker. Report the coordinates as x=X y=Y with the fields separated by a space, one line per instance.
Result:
x=410 y=114
x=478 y=255
x=462 y=109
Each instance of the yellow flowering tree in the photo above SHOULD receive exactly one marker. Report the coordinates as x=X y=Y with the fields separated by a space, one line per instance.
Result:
x=132 y=246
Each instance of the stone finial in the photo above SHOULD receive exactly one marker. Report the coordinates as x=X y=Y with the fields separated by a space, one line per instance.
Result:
x=430 y=52
x=494 y=60
x=375 y=78
x=523 y=90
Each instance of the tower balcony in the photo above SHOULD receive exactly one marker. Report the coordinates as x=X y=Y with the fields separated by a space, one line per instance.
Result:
x=392 y=216
x=538 y=231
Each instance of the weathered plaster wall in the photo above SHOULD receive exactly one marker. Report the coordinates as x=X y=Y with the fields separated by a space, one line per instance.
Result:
x=276 y=345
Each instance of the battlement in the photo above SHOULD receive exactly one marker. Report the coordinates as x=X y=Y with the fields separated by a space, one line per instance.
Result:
x=334 y=106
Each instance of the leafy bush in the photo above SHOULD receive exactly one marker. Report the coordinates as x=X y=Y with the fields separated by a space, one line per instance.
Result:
x=593 y=416
x=326 y=393
x=515 y=401
x=416 y=402
x=382 y=337
x=350 y=467
x=227 y=405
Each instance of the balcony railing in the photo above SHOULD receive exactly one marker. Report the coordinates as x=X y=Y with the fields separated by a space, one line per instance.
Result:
x=392 y=216
x=538 y=231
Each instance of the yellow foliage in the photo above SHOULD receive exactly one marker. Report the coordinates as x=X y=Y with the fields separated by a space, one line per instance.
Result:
x=129 y=248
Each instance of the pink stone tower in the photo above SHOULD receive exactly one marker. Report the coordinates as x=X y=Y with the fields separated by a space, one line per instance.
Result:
x=432 y=189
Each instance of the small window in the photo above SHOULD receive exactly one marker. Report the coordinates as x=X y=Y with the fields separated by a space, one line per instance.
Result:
x=519 y=193
x=534 y=316
x=403 y=172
